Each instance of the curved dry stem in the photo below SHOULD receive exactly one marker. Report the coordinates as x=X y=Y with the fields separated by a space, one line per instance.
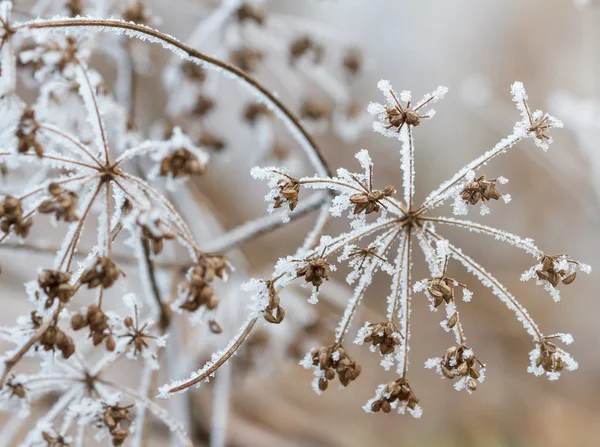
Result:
x=221 y=361
x=169 y=42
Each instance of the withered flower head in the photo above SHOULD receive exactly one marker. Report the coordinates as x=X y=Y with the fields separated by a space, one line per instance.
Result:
x=97 y=321
x=75 y=7
x=55 y=284
x=369 y=202
x=289 y=189
x=181 y=163
x=154 y=234
x=398 y=391
x=193 y=72
x=137 y=335
x=199 y=292
x=63 y=204
x=204 y=105
x=117 y=419
x=246 y=58
x=549 y=358
x=252 y=13
x=11 y=217
x=314 y=109
x=382 y=335
x=273 y=313
x=103 y=273
x=211 y=141
x=459 y=361
x=54 y=441
x=304 y=45
x=136 y=12
x=55 y=338
x=315 y=271
x=480 y=189
x=16 y=389
x=442 y=290
x=549 y=272
x=353 y=61
x=256 y=110
x=331 y=360
x=26 y=133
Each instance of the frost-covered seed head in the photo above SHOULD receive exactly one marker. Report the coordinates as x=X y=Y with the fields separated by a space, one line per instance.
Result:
x=55 y=285
x=480 y=189
x=315 y=271
x=248 y=12
x=315 y=110
x=26 y=133
x=333 y=359
x=246 y=58
x=103 y=273
x=370 y=202
x=398 y=391
x=304 y=45
x=12 y=218
x=385 y=336
x=63 y=204
x=289 y=189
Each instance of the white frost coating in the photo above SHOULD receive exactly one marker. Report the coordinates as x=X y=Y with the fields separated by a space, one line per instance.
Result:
x=521 y=130
x=259 y=301
x=525 y=244
x=382 y=124
x=569 y=363
x=401 y=407
x=359 y=292
x=87 y=93
x=499 y=290
x=562 y=264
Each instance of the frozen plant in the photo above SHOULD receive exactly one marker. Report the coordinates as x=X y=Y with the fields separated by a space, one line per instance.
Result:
x=74 y=166
x=381 y=223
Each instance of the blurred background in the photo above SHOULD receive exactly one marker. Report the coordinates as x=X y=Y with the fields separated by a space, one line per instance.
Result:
x=476 y=48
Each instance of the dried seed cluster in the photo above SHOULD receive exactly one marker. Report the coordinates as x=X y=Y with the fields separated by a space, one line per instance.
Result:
x=304 y=45
x=117 y=419
x=56 y=285
x=63 y=204
x=315 y=271
x=27 y=133
x=385 y=336
x=155 y=234
x=181 y=163
x=103 y=273
x=331 y=360
x=55 y=338
x=549 y=358
x=480 y=189
x=273 y=313
x=370 y=202
x=97 y=321
x=288 y=193
x=199 y=292
x=459 y=361
x=11 y=217
x=554 y=275
x=398 y=391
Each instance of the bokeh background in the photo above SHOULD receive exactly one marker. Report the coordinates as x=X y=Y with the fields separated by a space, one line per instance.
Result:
x=477 y=48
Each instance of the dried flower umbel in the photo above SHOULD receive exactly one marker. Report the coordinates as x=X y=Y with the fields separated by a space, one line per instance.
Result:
x=80 y=156
x=401 y=224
